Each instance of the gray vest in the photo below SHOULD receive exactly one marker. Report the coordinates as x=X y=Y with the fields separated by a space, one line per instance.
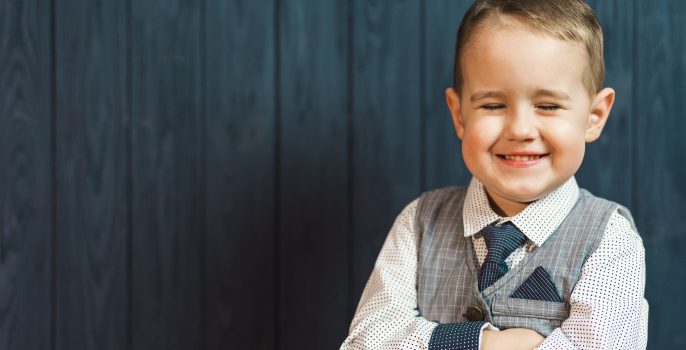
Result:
x=448 y=270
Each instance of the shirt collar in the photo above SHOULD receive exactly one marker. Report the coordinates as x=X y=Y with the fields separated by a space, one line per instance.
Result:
x=537 y=221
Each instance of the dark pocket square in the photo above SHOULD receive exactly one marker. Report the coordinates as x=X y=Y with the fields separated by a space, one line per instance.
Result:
x=538 y=286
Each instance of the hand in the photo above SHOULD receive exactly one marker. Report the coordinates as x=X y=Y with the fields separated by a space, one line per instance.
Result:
x=510 y=339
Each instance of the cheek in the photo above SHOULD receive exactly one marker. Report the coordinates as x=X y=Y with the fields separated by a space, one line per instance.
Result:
x=568 y=141
x=474 y=143
x=481 y=133
x=479 y=137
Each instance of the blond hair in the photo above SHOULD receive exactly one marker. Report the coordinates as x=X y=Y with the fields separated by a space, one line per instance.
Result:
x=571 y=20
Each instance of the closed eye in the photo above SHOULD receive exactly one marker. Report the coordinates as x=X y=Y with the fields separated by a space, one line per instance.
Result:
x=492 y=107
x=548 y=107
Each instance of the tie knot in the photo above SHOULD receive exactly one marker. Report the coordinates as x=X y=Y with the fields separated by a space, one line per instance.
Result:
x=502 y=241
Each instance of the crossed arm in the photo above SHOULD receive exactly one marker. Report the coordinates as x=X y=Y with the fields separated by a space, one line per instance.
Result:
x=512 y=338
x=386 y=317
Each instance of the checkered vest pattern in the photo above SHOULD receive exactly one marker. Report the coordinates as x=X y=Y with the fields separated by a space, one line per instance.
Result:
x=448 y=270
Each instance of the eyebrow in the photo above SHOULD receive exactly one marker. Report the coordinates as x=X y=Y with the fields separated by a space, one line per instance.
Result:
x=552 y=93
x=540 y=92
x=486 y=94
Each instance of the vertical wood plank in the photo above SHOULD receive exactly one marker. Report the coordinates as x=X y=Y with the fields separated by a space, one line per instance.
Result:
x=25 y=180
x=168 y=175
x=240 y=100
x=91 y=162
x=605 y=169
x=314 y=185
x=661 y=163
x=442 y=151
x=386 y=119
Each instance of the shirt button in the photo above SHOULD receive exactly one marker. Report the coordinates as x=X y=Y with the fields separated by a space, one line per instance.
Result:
x=474 y=314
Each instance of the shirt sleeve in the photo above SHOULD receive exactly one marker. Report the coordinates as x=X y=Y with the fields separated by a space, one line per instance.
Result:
x=387 y=315
x=607 y=306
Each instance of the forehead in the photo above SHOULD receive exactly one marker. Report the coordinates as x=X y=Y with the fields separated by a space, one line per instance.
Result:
x=509 y=54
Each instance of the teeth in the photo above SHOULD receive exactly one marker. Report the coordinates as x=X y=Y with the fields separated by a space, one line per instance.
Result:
x=522 y=158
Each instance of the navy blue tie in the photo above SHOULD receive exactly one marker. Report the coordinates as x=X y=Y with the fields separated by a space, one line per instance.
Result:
x=501 y=242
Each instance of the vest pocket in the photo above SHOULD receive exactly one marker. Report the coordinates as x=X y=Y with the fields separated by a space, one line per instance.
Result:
x=538 y=315
x=514 y=307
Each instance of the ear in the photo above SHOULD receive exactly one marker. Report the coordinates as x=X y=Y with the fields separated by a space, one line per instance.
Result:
x=453 y=100
x=600 y=111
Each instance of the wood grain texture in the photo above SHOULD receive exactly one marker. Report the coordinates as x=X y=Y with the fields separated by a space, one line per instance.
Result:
x=168 y=175
x=226 y=178
x=91 y=165
x=314 y=226
x=386 y=119
x=442 y=163
x=606 y=169
x=26 y=176
x=661 y=163
x=240 y=100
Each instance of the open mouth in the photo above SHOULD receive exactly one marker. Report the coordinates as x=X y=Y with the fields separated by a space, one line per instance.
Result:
x=522 y=158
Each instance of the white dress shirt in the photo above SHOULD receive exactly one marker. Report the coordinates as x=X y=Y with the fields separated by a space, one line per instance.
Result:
x=607 y=307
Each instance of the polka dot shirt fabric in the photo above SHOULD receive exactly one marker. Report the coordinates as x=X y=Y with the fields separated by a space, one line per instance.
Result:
x=607 y=306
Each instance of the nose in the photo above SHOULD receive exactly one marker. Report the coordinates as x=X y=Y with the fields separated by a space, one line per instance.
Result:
x=521 y=125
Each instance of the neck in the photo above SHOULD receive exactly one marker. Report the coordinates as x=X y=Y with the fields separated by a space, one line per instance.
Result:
x=505 y=207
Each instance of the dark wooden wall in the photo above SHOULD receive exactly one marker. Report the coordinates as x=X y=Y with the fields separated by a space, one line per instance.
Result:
x=221 y=174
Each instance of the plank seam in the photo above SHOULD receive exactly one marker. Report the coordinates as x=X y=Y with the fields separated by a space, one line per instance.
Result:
x=633 y=124
x=129 y=170
x=202 y=32
x=277 y=175
x=53 y=165
x=422 y=95
x=350 y=148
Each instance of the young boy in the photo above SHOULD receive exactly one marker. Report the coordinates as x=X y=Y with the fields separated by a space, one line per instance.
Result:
x=522 y=258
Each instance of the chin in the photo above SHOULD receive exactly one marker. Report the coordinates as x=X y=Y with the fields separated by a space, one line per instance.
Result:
x=525 y=195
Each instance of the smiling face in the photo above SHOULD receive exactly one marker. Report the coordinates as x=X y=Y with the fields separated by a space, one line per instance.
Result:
x=524 y=114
